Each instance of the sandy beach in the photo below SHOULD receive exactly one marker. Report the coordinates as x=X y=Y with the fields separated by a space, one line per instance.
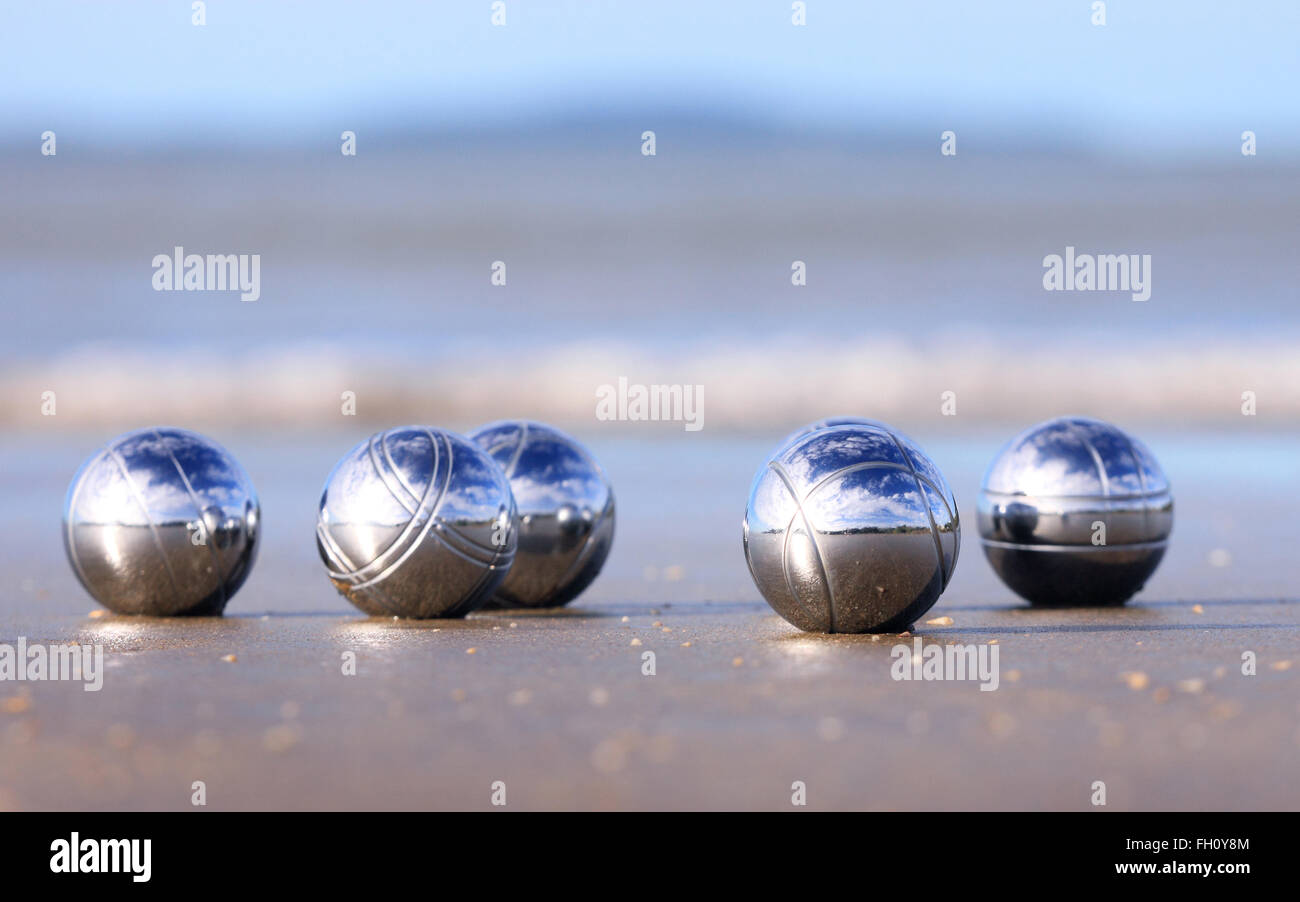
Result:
x=1149 y=698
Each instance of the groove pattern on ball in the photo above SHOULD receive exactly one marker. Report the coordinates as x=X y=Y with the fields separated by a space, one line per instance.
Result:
x=416 y=522
x=850 y=527
x=162 y=522
x=1075 y=512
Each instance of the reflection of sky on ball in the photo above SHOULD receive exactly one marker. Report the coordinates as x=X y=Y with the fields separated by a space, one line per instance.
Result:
x=550 y=474
x=412 y=454
x=828 y=423
x=1116 y=456
x=476 y=487
x=215 y=476
x=867 y=499
x=849 y=477
x=929 y=471
x=357 y=493
x=551 y=471
x=826 y=452
x=106 y=497
x=1057 y=458
x=1151 y=472
x=915 y=456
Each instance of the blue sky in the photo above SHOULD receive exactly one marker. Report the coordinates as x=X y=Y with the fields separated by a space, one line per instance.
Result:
x=1171 y=77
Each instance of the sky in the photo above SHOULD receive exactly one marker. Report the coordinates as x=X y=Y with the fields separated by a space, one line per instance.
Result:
x=1183 y=77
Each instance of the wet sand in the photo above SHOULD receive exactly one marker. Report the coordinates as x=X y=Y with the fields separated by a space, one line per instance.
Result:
x=1148 y=698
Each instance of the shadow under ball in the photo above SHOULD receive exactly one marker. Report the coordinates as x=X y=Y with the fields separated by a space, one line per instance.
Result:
x=416 y=522
x=161 y=522
x=1074 y=512
x=565 y=512
x=851 y=529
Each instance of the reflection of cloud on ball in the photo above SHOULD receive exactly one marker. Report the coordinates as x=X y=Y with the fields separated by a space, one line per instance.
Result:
x=408 y=524
x=566 y=511
x=1075 y=512
x=886 y=501
x=131 y=518
x=850 y=528
x=1053 y=475
x=839 y=447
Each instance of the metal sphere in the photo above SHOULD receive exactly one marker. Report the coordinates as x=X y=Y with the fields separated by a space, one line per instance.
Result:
x=851 y=529
x=416 y=522
x=161 y=522
x=565 y=510
x=1075 y=512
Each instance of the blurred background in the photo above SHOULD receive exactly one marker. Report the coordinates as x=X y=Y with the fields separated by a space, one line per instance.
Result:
x=774 y=143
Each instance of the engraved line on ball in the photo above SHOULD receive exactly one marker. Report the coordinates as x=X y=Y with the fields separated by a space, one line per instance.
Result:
x=386 y=474
x=812 y=537
x=1096 y=457
x=520 y=441
x=878 y=465
x=1130 y=496
x=413 y=542
x=401 y=478
x=198 y=508
x=1087 y=549
x=441 y=531
x=404 y=544
x=874 y=465
x=1142 y=482
x=139 y=499
x=343 y=566
x=488 y=571
x=405 y=494
x=470 y=544
x=929 y=512
x=358 y=576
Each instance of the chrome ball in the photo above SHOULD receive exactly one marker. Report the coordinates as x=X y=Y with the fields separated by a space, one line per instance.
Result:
x=851 y=529
x=162 y=522
x=565 y=510
x=1075 y=512
x=416 y=522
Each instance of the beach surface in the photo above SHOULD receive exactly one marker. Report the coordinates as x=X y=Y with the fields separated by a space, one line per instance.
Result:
x=1149 y=699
